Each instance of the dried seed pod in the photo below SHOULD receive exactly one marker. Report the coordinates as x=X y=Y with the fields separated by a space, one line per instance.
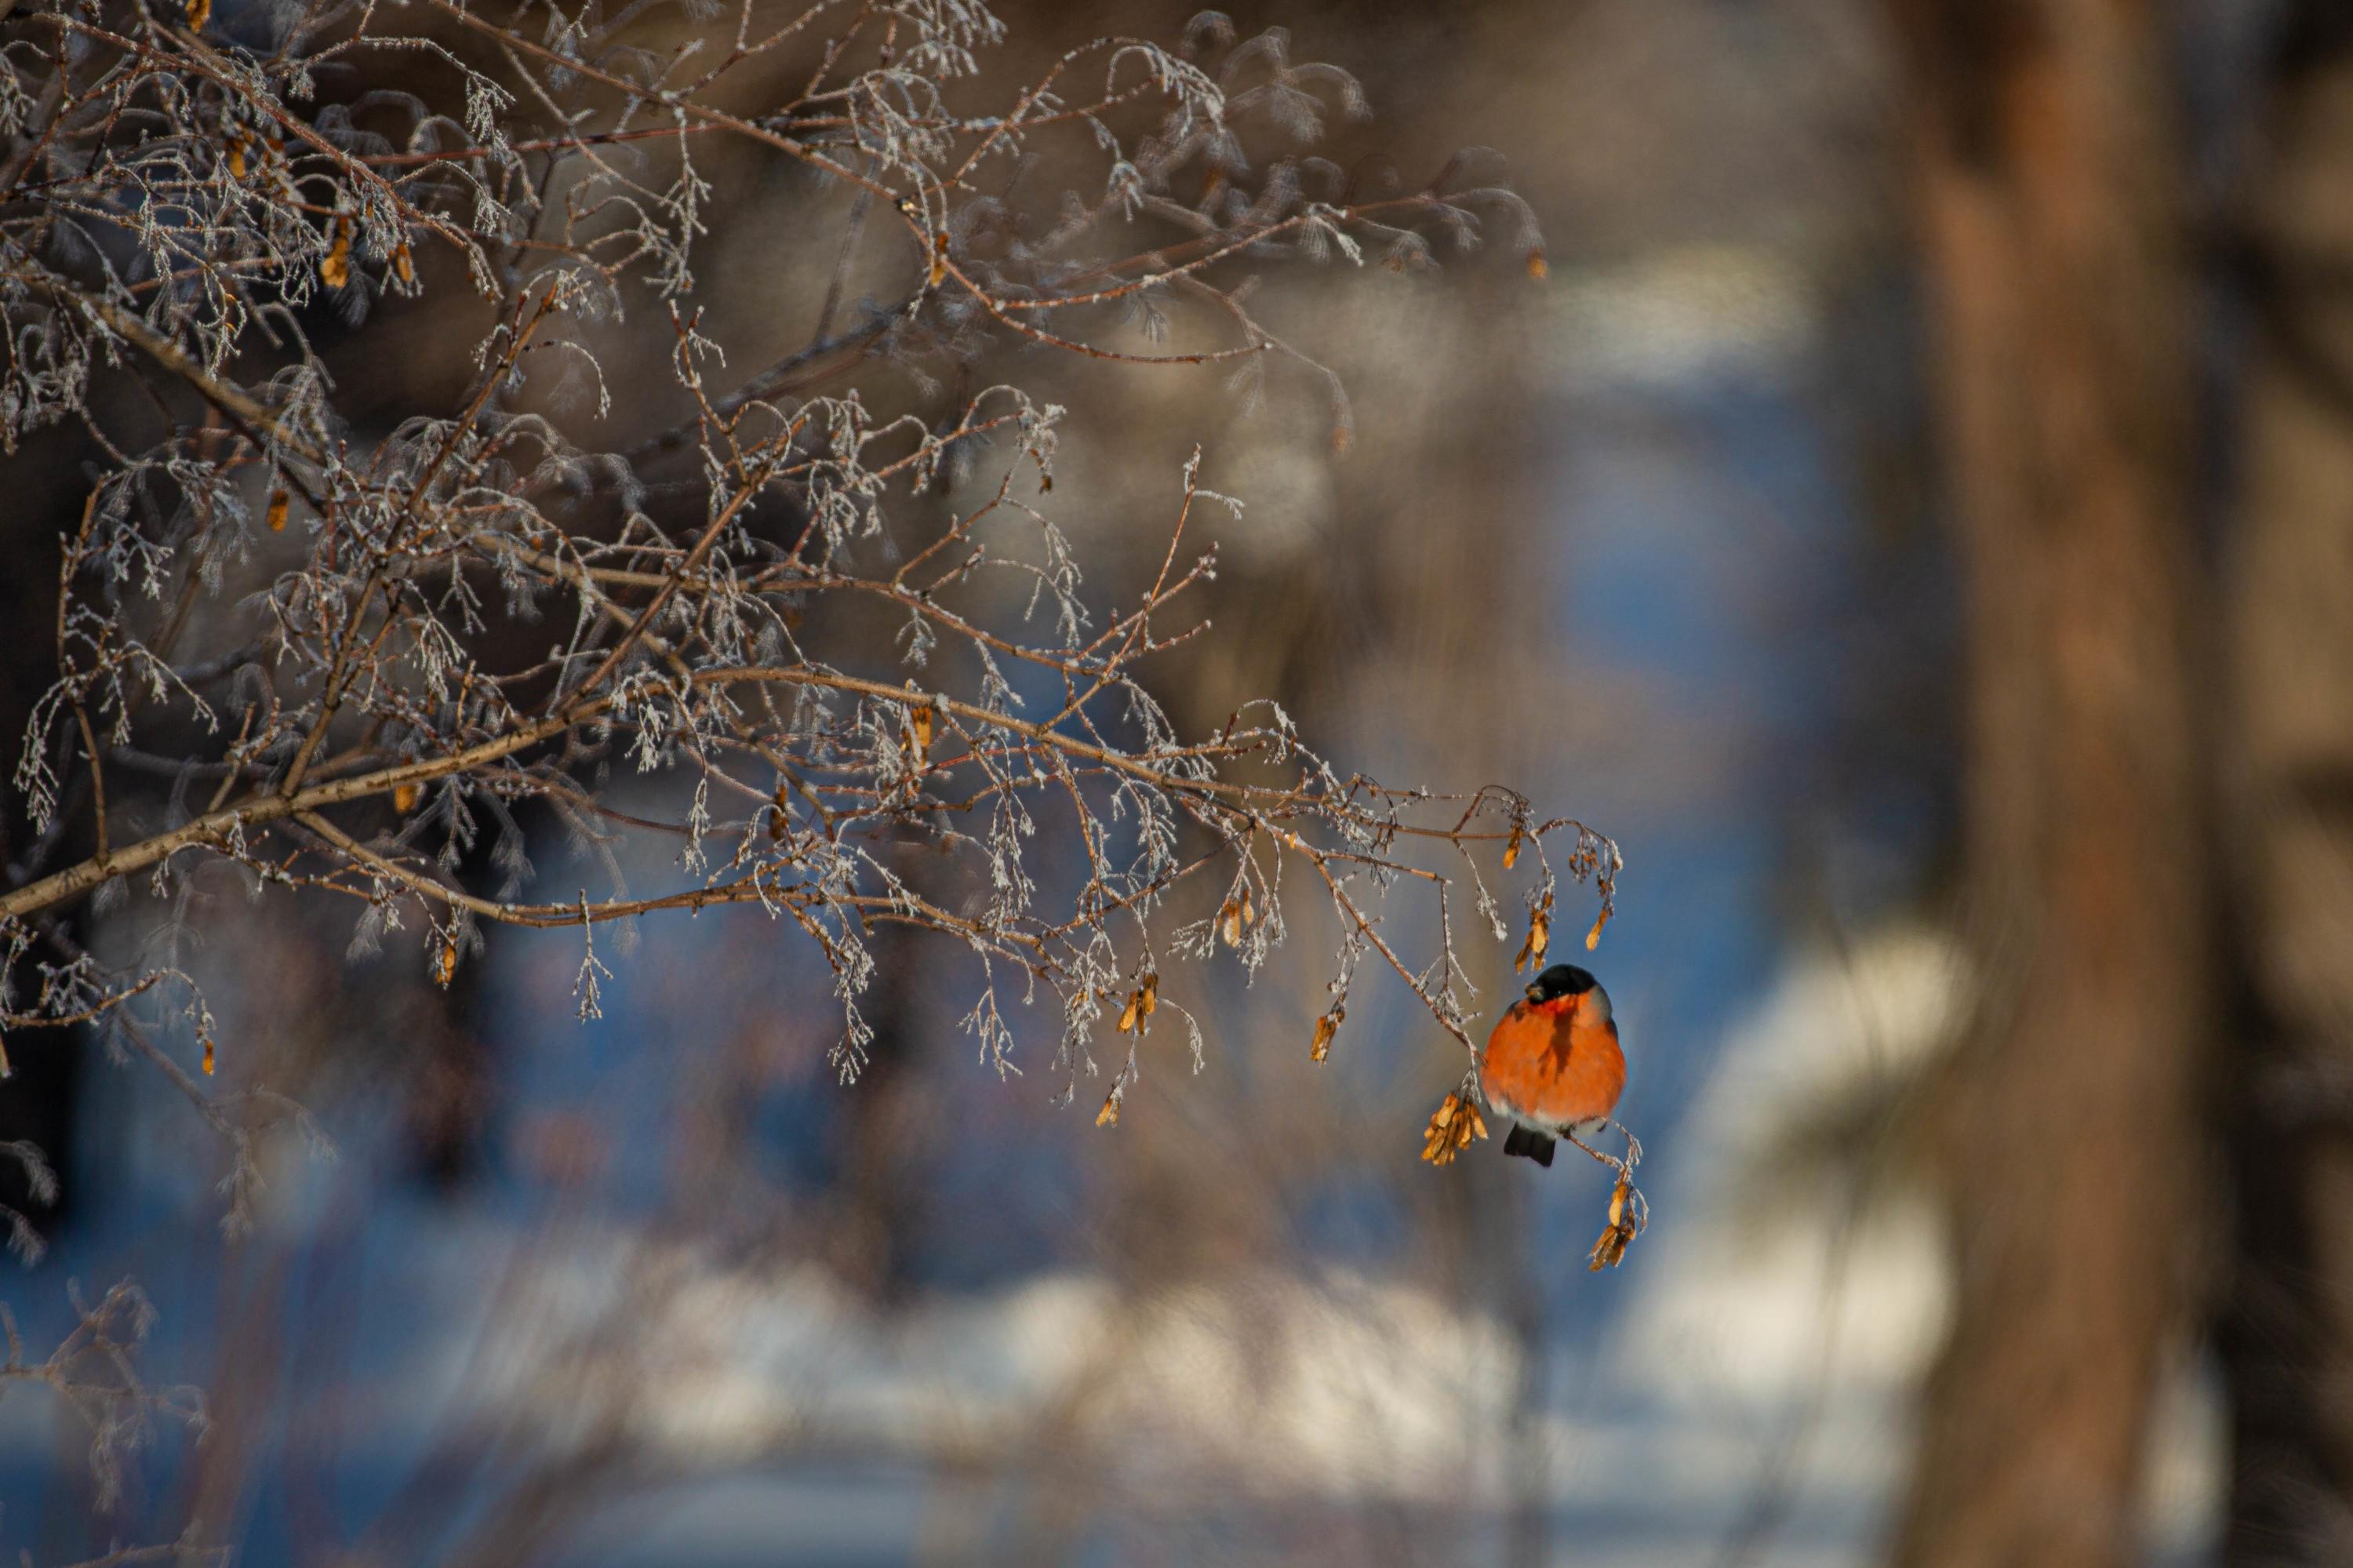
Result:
x=199 y=13
x=1625 y=1225
x=277 y=517
x=1250 y=910
x=1108 y=1115
x=1325 y=1027
x=1532 y=951
x=208 y=1055
x=1128 y=1015
x=445 y=964
x=1593 y=937
x=920 y=724
x=236 y=150
x=1151 y=992
x=1450 y=1130
x=1229 y=922
x=1438 y=1138
x=1538 y=268
x=1511 y=849
x=335 y=270
x=403 y=264
x=404 y=797
x=939 y=258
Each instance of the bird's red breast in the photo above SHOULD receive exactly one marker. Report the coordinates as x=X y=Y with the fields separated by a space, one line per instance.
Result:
x=1553 y=1063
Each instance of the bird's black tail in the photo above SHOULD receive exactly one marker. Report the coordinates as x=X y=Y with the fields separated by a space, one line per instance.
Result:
x=1534 y=1146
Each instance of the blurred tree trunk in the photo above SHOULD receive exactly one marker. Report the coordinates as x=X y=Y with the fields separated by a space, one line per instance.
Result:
x=2287 y=1332
x=2050 y=215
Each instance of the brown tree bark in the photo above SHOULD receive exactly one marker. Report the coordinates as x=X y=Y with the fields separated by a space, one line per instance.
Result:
x=2286 y=1337
x=2050 y=221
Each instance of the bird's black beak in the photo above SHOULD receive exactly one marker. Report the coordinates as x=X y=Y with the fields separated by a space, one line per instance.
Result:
x=1536 y=993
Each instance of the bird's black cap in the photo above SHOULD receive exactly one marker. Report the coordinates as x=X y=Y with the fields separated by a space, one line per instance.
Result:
x=1561 y=979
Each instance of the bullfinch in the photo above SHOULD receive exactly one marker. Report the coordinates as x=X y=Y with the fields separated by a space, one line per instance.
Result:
x=1553 y=1061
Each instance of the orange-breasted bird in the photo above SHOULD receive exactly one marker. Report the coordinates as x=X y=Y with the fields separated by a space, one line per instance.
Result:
x=1553 y=1061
